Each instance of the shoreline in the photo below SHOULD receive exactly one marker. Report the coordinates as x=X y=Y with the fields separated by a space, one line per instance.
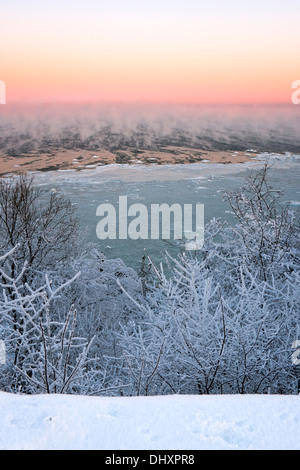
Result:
x=80 y=160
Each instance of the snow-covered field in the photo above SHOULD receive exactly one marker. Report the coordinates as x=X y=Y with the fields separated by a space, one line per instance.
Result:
x=175 y=422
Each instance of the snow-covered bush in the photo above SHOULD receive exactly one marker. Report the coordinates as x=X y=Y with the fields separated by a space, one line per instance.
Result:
x=225 y=319
x=43 y=355
x=222 y=321
x=40 y=240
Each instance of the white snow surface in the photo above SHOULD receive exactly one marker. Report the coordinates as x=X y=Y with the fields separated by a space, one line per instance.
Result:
x=176 y=422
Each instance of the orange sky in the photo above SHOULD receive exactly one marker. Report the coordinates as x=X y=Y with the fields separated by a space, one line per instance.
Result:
x=209 y=58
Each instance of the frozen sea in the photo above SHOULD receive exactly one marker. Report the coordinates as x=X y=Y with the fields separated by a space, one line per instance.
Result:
x=153 y=184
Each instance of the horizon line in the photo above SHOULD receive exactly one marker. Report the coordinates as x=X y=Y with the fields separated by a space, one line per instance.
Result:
x=145 y=102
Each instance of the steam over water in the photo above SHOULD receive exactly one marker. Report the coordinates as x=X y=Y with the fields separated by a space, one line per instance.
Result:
x=273 y=128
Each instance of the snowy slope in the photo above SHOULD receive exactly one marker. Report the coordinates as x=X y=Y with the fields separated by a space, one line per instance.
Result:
x=152 y=423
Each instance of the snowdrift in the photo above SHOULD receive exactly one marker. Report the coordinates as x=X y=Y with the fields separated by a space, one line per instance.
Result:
x=177 y=422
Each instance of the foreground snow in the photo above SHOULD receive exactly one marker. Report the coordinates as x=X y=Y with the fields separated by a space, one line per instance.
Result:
x=151 y=423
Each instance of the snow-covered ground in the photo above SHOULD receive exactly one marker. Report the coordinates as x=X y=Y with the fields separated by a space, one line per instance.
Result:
x=151 y=423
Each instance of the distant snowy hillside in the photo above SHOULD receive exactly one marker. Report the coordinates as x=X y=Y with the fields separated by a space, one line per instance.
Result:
x=178 y=422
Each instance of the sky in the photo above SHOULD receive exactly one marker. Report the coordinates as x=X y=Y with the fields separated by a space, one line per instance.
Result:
x=182 y=51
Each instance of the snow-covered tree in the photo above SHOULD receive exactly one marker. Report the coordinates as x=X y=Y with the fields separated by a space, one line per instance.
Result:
x=50 y=245
x=225 y=319
x=43 y=355
x=42 y=223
